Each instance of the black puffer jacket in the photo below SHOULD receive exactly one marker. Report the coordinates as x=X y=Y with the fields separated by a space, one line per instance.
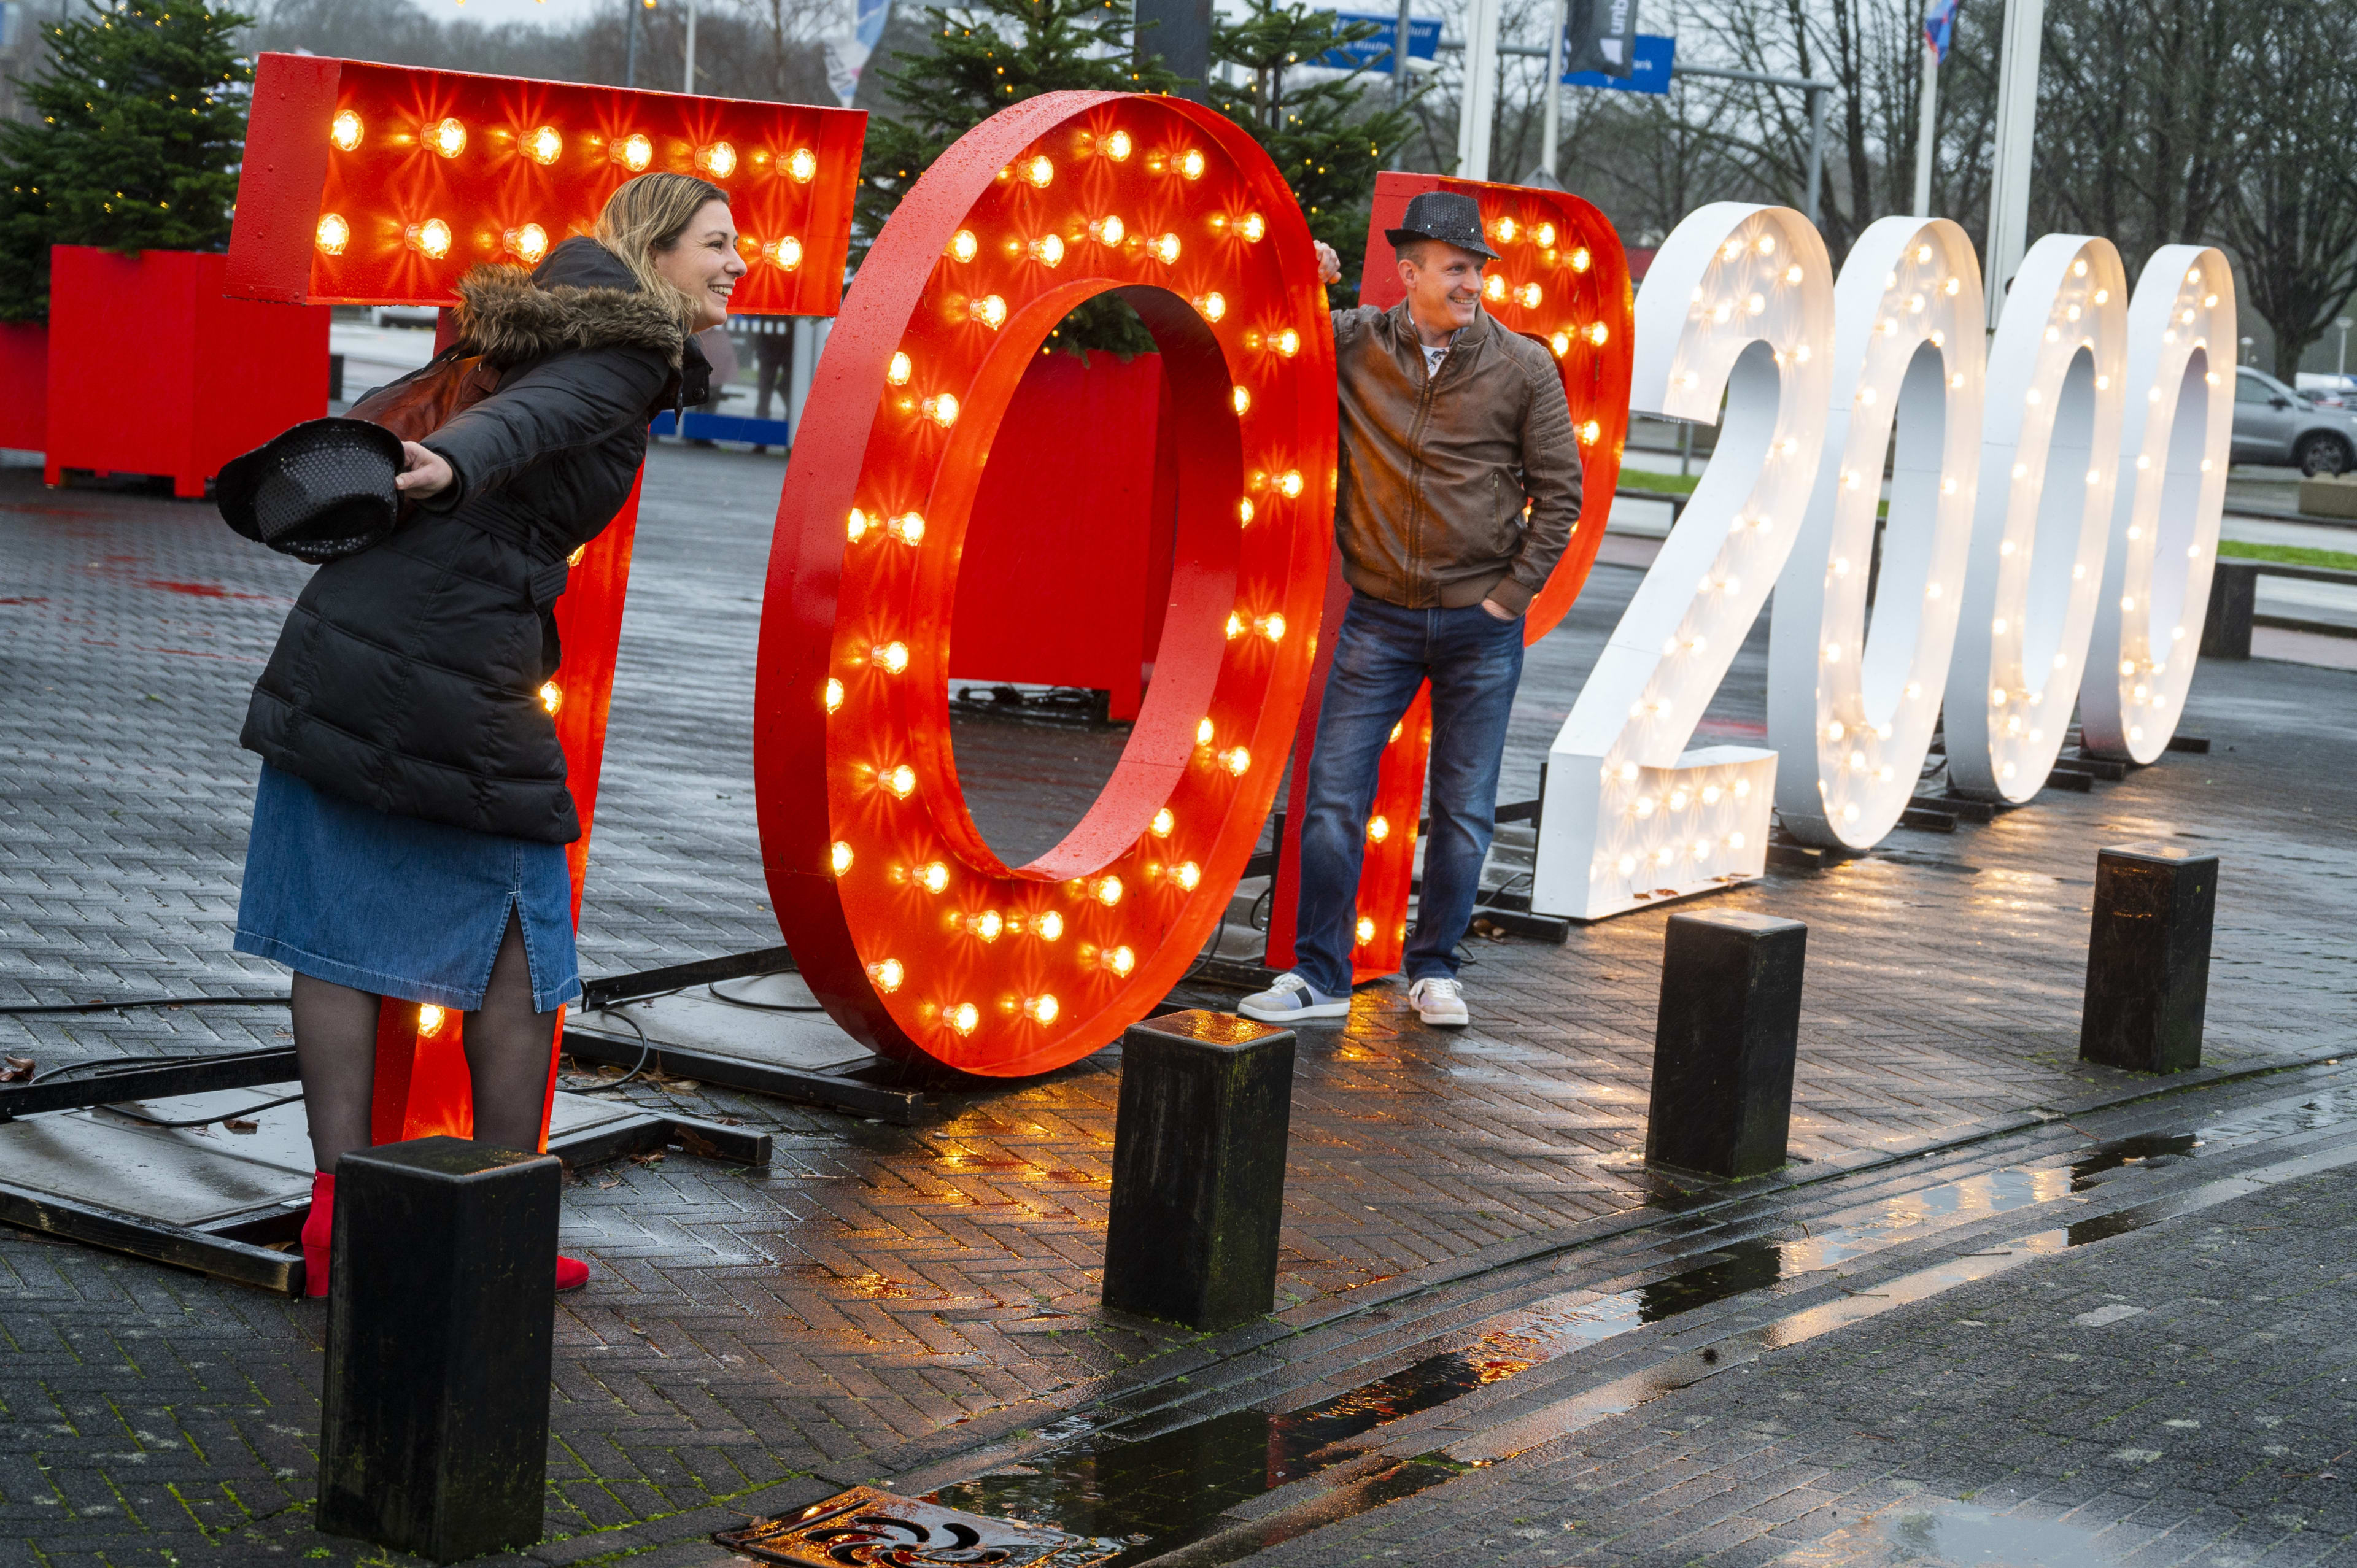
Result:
x=407 y=677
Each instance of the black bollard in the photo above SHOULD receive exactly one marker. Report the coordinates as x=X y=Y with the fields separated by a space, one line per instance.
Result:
x=2148 y=958
x=1199 y=1169
x=441 y=1314
x=1724 y=1043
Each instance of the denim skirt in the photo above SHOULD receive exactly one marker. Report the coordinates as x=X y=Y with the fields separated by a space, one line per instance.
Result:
x=396 y=905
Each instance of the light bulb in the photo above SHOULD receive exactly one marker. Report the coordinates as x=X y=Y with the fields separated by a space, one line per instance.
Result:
x=1121 y=961
x=898 y=372
x=857 y=526
x=1212 y=305
x=345 y=130
x=1108 y=891
x=1203 y=733
x=1235 y=624
x=803 y=165
x=552 y=695
x=909 y=528
x=1190 y=163
x=1163 y=823
x=1048 y=250
x=1252 y=227
x=833 y=694
x=1495 y=287
x=1506 y=229
x=964 y=1017
x=431 y=237
x=1366 y=930
x=1589 y=432
x=717 y=160
x=1242 y=402
x=1243 y=508
x=1271 y=627
x=1238 y=761
x=964 y=246
x=839 y=856
x=1288 y=342
x=634 y=152
x=447 y=138
x=1187 y=875
x=787 y=252
x=1040 y=1009
x=1544 y=234
x=1165 y=249
x=1529 y=295
x=1039 y=170
x=429 y=1019
x=991 y=311
x=1378 y=829
x=941 y=409
x=932 y=876
x=1580 y=260
x=893 y=657
x=988 y=926
x=530 y=242
x=901 y=780
x=1598 y=334
x=1051 y=926
x=334 y=234
x=887 y=974
x=1117 y=146
x=1561 y=343
x=1289 y=484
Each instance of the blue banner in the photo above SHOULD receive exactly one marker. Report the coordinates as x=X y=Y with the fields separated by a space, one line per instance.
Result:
x=1939 y=26
x=1649 y=70
x=1375 y=50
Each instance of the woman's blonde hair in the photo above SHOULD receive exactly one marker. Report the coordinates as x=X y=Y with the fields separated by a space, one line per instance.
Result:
x=648 y=215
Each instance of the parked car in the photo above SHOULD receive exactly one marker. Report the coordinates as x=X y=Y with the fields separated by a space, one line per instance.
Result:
x=2273 y=423
x=2328 y=390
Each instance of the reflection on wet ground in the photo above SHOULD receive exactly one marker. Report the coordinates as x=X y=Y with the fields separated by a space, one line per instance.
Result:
x=1160 y=1490
x=1941 y=1534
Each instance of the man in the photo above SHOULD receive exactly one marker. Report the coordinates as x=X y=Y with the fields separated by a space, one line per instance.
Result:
x=1450 y=424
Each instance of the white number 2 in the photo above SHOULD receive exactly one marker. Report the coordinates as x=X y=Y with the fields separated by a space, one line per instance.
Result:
x=1740 y=299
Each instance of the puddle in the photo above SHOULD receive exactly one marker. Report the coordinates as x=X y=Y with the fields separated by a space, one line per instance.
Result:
x=1158 y=1493
x=1958 y=1534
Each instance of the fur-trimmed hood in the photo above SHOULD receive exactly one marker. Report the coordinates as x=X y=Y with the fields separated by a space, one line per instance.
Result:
x=581 y=297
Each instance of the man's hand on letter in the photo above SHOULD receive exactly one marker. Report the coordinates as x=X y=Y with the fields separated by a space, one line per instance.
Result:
x=1330 y=265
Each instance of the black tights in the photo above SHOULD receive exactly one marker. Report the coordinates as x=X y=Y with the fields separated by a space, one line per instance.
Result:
x=506 y=1044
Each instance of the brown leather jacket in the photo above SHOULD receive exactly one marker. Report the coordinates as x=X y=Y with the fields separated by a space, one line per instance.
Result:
x=1434 y=473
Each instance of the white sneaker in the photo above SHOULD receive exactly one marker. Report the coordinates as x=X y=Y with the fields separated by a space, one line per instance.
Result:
x=1439 y=1003
x=1290 y=1000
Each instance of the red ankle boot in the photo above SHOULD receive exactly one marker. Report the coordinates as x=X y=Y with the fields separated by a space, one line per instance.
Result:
x=319 y=1230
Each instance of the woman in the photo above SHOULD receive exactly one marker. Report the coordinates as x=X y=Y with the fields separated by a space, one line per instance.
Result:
x=410 y=824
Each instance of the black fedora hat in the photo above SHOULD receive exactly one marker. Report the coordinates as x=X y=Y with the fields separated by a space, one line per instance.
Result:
x=1446 y=216
x=322 y=490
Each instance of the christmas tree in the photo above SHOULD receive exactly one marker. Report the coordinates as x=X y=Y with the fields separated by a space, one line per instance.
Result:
x=142 y=117
x=1322 y=133
x=986 y=56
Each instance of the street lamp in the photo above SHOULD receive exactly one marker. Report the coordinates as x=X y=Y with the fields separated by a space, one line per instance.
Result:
x=2342 y=367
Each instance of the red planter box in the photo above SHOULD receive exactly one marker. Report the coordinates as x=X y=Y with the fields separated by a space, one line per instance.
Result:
x=24 y=386
x=1066 y=570
x=151 y=370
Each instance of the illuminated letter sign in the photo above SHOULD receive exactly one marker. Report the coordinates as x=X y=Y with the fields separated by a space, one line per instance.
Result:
x=2176 y=425
x=918 y=939
x=381 y=185
x=1850 y=711
x=2050 y=458
x=1562 y=279
x=1740 y=301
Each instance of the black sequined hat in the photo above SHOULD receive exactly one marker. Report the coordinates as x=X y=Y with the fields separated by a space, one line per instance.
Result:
x=1445 y=216
x=322 y=490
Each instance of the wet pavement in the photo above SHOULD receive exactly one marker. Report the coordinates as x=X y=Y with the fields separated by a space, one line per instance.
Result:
x=919 y=1304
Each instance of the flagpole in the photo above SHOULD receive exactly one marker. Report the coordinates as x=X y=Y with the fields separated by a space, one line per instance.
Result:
x=2017 y=127
x=1552 y=121
x=1926 y=142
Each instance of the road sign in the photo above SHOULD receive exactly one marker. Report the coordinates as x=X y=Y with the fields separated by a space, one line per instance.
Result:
x=1374 y=52
x=1649 y=71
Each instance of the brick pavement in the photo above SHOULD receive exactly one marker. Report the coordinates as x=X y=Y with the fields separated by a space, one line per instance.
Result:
x=881 y=1285
x=2177 y=1395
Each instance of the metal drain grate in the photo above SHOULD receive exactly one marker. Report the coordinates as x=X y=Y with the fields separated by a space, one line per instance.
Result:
x=864 y=1527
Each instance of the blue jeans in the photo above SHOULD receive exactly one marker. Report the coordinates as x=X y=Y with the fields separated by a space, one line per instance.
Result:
x=1382 y=654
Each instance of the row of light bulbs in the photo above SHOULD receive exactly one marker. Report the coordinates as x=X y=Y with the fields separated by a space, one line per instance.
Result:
x=527 y=242
x=543 y=144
